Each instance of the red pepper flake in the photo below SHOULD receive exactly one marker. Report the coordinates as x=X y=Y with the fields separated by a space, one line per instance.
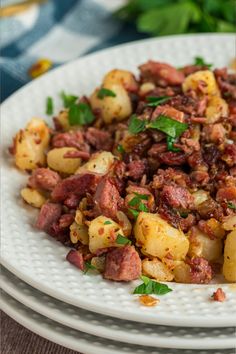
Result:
x=101 y=230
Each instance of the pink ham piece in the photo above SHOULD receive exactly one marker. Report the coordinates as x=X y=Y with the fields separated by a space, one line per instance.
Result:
x=161 y=73
x=49 y=214
x=76 y=258
x=77 y=185
x=44 y=178
x=107 y=198
x=122 y=264
x=99 y=139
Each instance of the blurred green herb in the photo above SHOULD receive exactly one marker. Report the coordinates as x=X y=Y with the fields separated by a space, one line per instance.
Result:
x=151 y=287
x=80 y=114
x=68 y=99
x=164 y=17
x=103 y=92
x=122 y=240
x=231 y=205
x=49 y=106
x=200 y=61
x=156 y=101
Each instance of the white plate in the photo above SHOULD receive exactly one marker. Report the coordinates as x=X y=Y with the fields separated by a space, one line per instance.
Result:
x=40 y=261
x=111 y=328
x=79 y=341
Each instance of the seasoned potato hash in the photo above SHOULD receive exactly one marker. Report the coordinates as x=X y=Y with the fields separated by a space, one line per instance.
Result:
x=139 y=177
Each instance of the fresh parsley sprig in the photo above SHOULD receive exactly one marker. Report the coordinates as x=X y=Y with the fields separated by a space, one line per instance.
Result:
x=122 y=240
x=201 y=62
x=80 y=114
x=136 y=125
x=68 y=99
x=151 y=287
x=104 y=92
x=156 y=101
x=231 y=205
x=137 y=203
x=49 y=106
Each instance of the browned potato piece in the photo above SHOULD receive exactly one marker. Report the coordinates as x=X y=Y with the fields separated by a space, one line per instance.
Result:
x=156 y=269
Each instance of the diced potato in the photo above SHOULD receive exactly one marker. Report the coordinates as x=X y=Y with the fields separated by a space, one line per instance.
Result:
x=124 y=223
x=99 y=263
x=59 y=163
x=229 y=223
x=79 y=233
x=146 y=87
x=199 y=197
x=33 y=197
x=30 y=145
x=63 y=120
x=216 y=228
x=205 y=78
x=103 y=232
x=229 y=266
x=121 y=77
x=157 y=238
x=79 y=217
x=216 y=108
x=112 y=108
x=99 y=162
x=182 y=273
x=202 y=246
x=156 y=269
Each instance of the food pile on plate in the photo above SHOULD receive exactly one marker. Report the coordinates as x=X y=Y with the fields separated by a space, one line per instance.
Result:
x=140 y=177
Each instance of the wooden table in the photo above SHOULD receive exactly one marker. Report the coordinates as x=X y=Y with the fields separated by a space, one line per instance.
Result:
x=15 y=339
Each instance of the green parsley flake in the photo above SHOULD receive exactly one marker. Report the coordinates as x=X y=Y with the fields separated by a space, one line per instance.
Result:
x=108 y=222
x=170 y=144
x=137 y=202
x=201 y=62
x=156 y=101
x=80 y=114
x=151 y=287
x=68 y=99
x=231 y=205
x=136 y=125
x=88 y=266
x=122 y=240
x=103 y=92
x=168 y=125
x=134 y=212
x=49 y=106
x=120 y=149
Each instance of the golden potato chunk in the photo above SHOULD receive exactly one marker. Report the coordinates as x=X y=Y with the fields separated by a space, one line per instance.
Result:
x=56 y=160
x=30 y=145
x=103 y=232
x=33 y=197
x=99 y=162
x=204 y=79
x=112 y=108
x=182 y=273
x=121 y=77
x=79 y=233
x=229 y=266
x=216 y=108
x=157 y=238
x=202 y=246
x=156 y=269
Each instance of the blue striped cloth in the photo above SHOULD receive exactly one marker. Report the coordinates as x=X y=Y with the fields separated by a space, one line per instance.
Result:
x=60 y=30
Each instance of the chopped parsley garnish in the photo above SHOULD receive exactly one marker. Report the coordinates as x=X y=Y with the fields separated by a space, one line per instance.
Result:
x=168 y=125
x=201 y=62
x=120 y=149
x=170 y=144
x=68 y=99
x=136 y=125
x=122 y=240
x=103 y=92
x=137 y=202
x=134 y=212
x=151 y=287
x=231 y=205
x=49 y=106
x=108 y=222
x=80 y=114
x=88 y=266
x=156 y=101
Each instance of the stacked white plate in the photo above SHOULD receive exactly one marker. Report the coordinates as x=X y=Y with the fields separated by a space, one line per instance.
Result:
x=46 y=294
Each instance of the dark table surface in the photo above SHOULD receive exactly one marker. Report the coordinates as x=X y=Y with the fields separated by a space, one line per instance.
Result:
x=15 y=339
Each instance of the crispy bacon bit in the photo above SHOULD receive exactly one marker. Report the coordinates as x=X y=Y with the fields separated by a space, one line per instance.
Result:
x=200 y=270
x=148 y=300
x=99 y=139
x=219 y=295
x=161 y=74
